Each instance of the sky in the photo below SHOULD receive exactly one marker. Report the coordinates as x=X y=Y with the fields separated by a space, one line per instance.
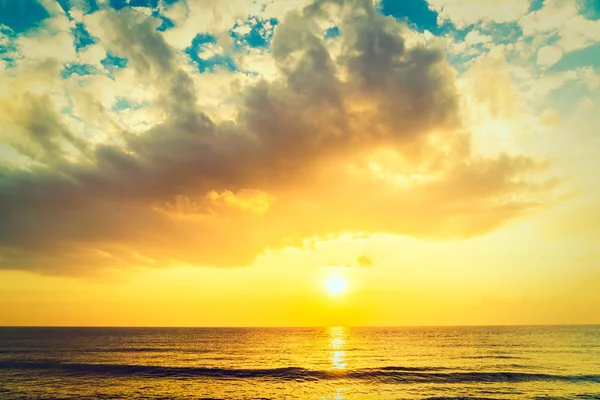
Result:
x=216 y=163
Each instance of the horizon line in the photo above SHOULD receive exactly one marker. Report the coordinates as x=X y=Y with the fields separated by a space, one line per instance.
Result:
x=294 y=327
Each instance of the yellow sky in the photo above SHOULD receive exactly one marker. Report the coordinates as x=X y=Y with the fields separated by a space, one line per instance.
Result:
x=513 y=276
x=447 y=180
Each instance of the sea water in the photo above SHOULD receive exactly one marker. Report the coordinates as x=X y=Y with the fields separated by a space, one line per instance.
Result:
x=525 y=362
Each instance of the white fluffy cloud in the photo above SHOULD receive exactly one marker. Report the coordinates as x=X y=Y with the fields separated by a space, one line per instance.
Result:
x=548 y=56
x=475 y=37
x=562 y=17
x=467 y=12
x=53 y=40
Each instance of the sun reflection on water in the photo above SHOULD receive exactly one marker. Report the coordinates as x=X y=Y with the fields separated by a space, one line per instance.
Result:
x=337 y=337
x=339 y=394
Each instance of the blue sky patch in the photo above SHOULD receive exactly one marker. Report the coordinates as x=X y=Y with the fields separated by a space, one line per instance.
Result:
x=579 y=58
x=77 y=69
x=417 y=15
x=8 y=50
x=143 y=3
x=123 y=103
x=118 y=4
x=590 y=9
x=261 y=32
x=64 y=4
x=462 y=62
x=9 y=46
x=82 y=37
x=203 y=38
x=113 y=63
x=553 y=38
x=166 y=22
x=414 y=12
x=93 y=7
x=457 y=34
x=87 y=6
x=21 y=15
x=535 y=5
x=8 y=62
x=332 y=32
x=209 y=63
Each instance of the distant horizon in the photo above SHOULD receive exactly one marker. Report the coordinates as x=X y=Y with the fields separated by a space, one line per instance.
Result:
x=295 y=327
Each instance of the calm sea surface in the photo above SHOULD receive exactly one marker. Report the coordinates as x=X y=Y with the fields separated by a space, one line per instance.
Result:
x=561 y=362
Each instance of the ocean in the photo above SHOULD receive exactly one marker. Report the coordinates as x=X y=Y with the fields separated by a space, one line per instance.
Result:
x=525 y=362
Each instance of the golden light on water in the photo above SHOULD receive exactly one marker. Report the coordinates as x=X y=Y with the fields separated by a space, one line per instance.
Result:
x=338 y=342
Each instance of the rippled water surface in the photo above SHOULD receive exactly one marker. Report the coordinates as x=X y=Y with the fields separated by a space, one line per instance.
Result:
x=561 y=362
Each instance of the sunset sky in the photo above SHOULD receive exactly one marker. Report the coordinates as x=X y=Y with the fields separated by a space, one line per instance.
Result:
x=216 y=163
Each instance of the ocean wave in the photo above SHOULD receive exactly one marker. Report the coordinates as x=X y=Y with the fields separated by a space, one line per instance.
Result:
x=461 y=398
x=106 y=350
x=391 y=374
x=501 y=357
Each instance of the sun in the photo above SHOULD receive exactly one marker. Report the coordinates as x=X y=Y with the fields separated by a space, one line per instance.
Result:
x=335 y=284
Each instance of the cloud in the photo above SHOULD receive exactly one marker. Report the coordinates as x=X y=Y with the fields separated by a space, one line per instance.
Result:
x=364 y=261
x=553 y=15
x=53 y=39
x=369 y=140
x=562 y=17
x=468 y=12
x=548 y=56
x=550 y=117
x=216 y=17
x=474 y=37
